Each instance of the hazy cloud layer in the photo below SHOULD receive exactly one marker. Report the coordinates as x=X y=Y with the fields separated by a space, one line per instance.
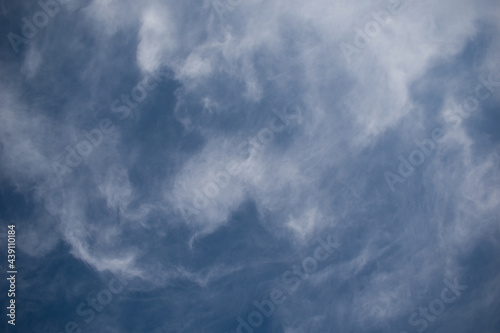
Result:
x=199 y=152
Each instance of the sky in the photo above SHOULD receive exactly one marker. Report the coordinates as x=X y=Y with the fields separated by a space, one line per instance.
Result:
x=250 y=166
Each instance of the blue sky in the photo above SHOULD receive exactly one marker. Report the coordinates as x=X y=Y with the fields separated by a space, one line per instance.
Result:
x=251 y=166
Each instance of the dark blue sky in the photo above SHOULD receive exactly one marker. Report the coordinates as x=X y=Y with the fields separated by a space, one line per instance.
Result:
x=251 y=166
